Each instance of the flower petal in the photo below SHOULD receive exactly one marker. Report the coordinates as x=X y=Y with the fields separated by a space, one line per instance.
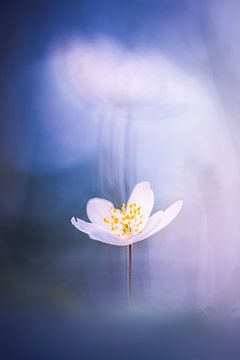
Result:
x=143 y=196
x=108 y=238
x=153 y=222
x=84 y=226
x=159 y=220
x=98 y=209
x=96 y=233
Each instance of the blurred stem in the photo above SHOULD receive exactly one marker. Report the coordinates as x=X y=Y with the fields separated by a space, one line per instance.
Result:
x=130 y=268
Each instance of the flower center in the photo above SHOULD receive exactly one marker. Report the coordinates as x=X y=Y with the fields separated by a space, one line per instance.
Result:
x=124 y=222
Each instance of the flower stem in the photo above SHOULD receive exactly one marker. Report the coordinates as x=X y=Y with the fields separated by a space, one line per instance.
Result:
x=129 y=271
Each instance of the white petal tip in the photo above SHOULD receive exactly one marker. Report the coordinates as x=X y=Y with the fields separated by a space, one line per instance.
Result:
x=73 y=220
x=144 y=183
x=179 y=204
x=174 y=209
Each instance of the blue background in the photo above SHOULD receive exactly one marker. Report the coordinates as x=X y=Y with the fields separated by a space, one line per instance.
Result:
x=96 y=96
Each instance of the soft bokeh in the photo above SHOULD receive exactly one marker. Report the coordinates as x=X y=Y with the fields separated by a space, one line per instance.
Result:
x=96 y=96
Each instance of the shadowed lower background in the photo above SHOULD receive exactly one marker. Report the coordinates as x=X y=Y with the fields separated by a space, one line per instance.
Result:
x=96 y=96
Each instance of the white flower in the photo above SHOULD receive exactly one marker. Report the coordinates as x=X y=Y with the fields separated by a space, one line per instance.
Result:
x=131 y=223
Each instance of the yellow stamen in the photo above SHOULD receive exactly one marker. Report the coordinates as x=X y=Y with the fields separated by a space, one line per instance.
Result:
x=126 y=222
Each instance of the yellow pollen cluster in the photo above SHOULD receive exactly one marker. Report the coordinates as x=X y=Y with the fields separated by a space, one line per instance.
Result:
x=124 y=222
